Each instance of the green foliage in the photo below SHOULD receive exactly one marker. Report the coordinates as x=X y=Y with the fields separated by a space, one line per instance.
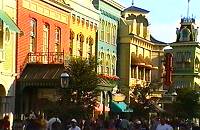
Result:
x=79 y=98
x=187 y=103
x=140 y=102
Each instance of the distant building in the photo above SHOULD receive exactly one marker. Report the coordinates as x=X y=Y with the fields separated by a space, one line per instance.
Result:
x=186 y=56
x=140 y=54
x=8 y=32
x=44 y=39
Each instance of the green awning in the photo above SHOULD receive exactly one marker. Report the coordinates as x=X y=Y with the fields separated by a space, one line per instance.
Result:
x=9 y=22
x=120 y=107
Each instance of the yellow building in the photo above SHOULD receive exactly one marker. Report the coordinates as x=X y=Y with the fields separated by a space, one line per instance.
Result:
x=140 y=54
x=8 y=31
x=83 y=24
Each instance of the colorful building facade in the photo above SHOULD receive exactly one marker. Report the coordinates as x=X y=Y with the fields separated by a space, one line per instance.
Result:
x=140 y=54
x=110 y=14
x=83 y=27
x=41 y=48
x=8 y=32
x=186 y=56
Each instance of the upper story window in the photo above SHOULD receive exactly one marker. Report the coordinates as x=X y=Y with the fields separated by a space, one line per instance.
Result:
x=108 y=33
x=114 y=35
x=57 y=39
x=102 y=30
x=71 y=42
x=73 y=18
x=7 y=34
x=1 y=34
x=45 y=38
x=80 y=39
x=33 y=35
x=90 y=46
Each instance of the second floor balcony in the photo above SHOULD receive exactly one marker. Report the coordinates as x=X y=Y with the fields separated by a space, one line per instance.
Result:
x=46 y=57
x=43 y=58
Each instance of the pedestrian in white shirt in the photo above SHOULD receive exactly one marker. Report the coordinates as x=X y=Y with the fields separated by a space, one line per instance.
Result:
x=163 y=126
x=74 y=125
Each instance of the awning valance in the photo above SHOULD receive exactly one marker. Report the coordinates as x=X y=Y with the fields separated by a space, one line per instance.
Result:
x=120 y=107
x=41 y=75
x=137 y=60
x=9 y=22
x=140 y=61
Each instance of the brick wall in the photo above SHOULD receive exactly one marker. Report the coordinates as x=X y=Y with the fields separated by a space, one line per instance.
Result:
x=24 y=17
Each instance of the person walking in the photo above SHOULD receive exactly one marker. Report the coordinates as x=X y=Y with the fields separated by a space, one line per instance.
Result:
x=163 y=125
x=74 y=125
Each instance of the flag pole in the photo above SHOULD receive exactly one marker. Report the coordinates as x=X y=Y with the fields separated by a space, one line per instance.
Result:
x=188 y=8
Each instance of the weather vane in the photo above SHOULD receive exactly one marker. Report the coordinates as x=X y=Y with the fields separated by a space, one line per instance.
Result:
x=132 y=2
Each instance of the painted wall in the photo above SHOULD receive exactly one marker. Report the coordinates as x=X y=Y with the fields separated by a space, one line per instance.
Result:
x=107 y=45
x=135 y=45
x=7 y=64
x=186 y=67
x=43 y=13
x=83 y=24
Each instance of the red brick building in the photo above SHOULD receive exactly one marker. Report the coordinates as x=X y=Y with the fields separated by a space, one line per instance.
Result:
x=43 y=43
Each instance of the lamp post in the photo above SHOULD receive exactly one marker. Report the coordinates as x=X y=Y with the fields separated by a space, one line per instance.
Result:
x=64 y=79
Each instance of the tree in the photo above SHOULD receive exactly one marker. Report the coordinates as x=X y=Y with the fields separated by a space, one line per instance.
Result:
x=80 y=97
x=142 y=100
x=187 y=103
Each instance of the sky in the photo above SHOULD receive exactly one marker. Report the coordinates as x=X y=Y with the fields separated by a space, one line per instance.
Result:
x=165 y=15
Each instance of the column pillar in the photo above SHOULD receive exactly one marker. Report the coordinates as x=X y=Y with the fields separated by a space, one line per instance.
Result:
x=143 y=73
x=136 y=72
x=150 y=75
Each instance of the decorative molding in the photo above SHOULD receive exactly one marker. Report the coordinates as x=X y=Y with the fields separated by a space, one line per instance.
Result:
x=46 y=11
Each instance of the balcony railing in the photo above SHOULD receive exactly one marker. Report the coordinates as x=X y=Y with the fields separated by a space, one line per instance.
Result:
x=43 y=58
x=46 y=57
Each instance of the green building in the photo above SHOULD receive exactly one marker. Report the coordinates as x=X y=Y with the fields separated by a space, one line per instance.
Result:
x=186 y=55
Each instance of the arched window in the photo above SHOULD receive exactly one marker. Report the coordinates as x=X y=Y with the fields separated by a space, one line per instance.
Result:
x=33 y=35
x=102 y=30
x=71 y=42
x=80 y=39
x=57 y=39
x=113 y=65
x=91 y=42
x=45 y=45
x=102 y=55
x=114 y=35
x=108 y=33
x=45 y=38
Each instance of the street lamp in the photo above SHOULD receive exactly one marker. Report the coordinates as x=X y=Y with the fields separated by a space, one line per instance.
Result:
x=64 y=79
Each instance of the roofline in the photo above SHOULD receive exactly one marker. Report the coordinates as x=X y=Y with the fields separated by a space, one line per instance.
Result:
x=114 y=4
x=142 y=10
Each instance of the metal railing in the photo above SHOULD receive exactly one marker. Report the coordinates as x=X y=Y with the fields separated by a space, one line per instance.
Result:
x=43 y=58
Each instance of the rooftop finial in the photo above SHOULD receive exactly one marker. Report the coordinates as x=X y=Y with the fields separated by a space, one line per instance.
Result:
x=188 y=9
x=132 y=2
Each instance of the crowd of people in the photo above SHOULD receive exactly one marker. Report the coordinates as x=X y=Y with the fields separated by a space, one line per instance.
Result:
x=34 y=121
